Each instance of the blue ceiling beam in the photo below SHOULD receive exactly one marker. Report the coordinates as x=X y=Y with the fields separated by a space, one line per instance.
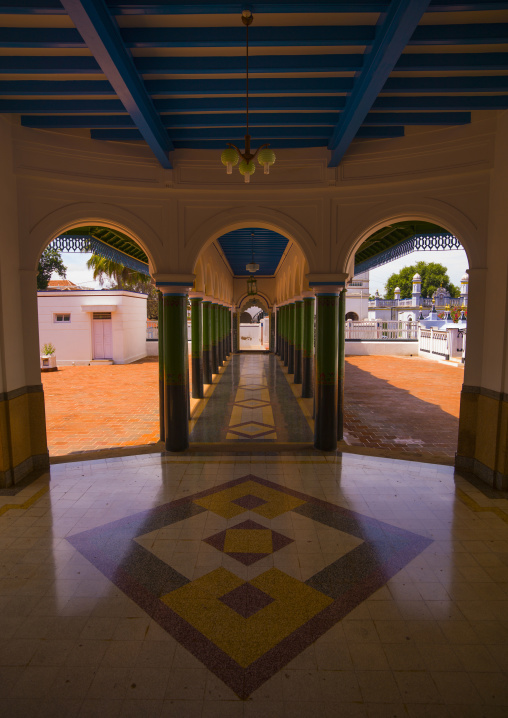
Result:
x=190 y=7
x=259 y=135
x=208 y=143
x=114 y=136
x=392 y=37
x=92 y=19
x=288 y=36
x=233 y=119
x=69 y=64
x=265 y=86
x=322 y=103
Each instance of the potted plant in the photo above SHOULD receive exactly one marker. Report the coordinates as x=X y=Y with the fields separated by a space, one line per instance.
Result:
x=48 y=358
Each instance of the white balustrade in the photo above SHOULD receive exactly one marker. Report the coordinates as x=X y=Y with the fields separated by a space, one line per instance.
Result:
x=378 y=329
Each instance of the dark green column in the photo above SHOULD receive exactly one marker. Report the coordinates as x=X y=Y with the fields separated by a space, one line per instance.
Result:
x=327 y=380
x=213 y=315
x=308 y=348
x=197 y=347
x=218 y=334
x=230 y=331
x=160 y=334
x=176 y=399
x=342 y=363
x=207 y=350
x=291 y=339
x=223 y=332
x=286 y=334
x=271 y=329
x=277 y=330
x=298 y=339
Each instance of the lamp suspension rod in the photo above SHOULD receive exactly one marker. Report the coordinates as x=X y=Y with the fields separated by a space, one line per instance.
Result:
x=247 y=74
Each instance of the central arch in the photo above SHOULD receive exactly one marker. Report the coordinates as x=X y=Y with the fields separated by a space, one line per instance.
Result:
x=244 y=217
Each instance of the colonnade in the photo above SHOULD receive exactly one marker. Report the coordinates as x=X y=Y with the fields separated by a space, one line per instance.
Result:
x=310 y=335
x=309 y=338
x=211 y=345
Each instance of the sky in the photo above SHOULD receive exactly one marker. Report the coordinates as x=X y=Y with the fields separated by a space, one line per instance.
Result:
x=454 y=259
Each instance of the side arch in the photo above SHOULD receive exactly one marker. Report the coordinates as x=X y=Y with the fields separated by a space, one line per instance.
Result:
x=426 y=210
x=83 y=213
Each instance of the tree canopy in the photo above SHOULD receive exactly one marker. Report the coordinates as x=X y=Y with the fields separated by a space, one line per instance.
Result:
x=433 y=274
x=124 y=278
x=50 y=261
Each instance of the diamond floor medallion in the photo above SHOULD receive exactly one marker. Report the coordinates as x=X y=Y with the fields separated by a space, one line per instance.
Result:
x=246 y=631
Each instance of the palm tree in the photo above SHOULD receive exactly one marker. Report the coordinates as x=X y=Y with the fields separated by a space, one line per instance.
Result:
x=123 y=276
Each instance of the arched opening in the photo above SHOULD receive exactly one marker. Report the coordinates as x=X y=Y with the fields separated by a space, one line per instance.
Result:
x=259 y=266
x=404 y=361
x=98 y=340
x=254 y=324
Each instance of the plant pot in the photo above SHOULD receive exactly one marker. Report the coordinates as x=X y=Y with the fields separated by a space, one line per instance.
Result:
x=48 y=363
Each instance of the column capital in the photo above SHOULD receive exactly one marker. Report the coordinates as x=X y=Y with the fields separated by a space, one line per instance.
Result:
x=309 y=294
x=322 y=279
x=328 y=289
x=174 y=283
x=196 y=295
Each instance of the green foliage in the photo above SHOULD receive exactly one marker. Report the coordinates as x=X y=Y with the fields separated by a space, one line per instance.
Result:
x=50 y=261
x=122 y=277
x=455 y=313
x=48 y=349
x=433 y=276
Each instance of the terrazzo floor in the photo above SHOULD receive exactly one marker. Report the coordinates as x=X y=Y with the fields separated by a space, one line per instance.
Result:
x=238 y=586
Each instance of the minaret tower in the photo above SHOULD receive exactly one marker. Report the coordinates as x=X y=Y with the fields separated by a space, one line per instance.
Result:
x=417 y=290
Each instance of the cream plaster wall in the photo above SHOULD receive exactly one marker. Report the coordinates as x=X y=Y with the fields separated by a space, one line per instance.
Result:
x=73 y=340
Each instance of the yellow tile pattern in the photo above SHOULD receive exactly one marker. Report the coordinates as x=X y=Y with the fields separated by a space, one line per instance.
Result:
x=248 y=541
x=263 y=414
x=246 y=639
x=276 y=502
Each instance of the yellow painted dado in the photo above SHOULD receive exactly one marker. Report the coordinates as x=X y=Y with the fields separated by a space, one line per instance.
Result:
x=486 y=430
x=22 y=435
x=483 y=437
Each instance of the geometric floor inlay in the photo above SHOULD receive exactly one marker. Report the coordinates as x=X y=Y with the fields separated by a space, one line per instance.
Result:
x=248 y=542
x=245 y=631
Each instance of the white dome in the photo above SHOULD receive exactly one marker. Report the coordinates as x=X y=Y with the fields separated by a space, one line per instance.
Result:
x=417 y=278
x=465 y=277
x=397 y=289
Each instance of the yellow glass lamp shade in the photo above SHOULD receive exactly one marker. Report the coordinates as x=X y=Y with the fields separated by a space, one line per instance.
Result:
x=229 y=157
x=266 y=158
x=247 y=169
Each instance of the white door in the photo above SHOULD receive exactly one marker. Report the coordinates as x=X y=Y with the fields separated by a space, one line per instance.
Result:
x=102 y=332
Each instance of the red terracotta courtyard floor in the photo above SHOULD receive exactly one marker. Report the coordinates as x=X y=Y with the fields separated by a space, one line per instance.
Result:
x=403 y=404
x=391 y=403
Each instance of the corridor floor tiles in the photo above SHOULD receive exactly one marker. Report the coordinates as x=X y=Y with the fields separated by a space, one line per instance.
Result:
x=252 y=402
x=238 y=586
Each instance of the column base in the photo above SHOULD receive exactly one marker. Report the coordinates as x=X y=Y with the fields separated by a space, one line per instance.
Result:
x=161 y=410
x=207 y=366
x=307 y=372
x=197 y=378
x=298 y=366
x=493 y=478
x=176 y=418
x=325 y=423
